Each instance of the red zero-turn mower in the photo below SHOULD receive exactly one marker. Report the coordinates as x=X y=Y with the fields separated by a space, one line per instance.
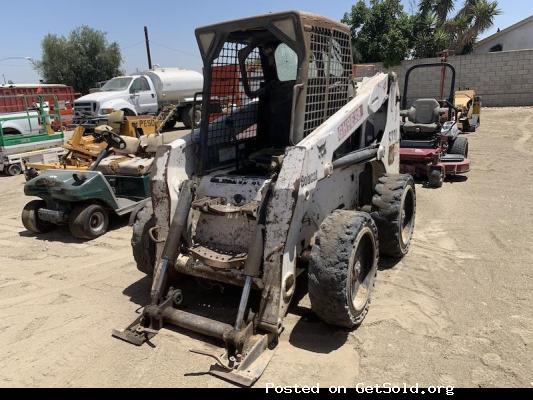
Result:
x=430 y=146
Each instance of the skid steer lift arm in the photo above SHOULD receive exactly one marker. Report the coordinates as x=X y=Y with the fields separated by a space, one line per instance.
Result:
x=151 y=319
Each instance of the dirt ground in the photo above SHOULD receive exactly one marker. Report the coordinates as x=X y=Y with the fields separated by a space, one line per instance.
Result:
x=456 y=311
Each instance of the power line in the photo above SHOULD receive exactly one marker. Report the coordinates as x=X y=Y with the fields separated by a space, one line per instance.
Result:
x=15 y=65
x=173 y=49
x=132 y=45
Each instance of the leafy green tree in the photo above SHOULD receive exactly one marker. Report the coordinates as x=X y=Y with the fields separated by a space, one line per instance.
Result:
x=381 y=31
x=81 y=59
x=435 y=29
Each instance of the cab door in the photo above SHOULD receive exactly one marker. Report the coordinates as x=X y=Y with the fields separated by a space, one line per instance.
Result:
x=143 y=96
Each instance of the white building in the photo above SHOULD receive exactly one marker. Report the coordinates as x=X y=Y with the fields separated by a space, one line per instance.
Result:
x=516 y=37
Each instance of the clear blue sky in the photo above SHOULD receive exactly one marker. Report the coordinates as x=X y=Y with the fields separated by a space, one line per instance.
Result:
x=171 y=25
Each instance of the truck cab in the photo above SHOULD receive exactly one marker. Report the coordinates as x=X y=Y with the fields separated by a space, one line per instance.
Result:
x=20 y=123
x=133 y=94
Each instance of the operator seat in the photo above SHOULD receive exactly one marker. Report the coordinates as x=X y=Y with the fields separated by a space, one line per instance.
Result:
x=275 y=114
x=422 y=118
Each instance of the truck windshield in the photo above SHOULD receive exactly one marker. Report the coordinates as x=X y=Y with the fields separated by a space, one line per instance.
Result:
x=116 y=84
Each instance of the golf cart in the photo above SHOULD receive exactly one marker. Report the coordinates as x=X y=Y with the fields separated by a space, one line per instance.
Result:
x=116 y=183
x=430 y=146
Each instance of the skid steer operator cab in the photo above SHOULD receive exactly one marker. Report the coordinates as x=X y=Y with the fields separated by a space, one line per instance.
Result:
x=277 y=185
x=261 y=69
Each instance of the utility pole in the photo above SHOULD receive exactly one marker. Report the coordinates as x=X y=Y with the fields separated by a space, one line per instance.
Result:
x=148 y=47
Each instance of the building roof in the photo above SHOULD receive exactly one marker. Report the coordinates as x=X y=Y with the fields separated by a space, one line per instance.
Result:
x=505 y=31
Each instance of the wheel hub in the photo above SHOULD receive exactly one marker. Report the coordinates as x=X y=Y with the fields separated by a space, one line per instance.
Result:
x=96 y=222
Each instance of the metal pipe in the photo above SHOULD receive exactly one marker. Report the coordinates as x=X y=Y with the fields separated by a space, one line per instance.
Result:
x=244 y=302
x=173 y=241
x=196 y=323
x=355 y=158
x=103 y=154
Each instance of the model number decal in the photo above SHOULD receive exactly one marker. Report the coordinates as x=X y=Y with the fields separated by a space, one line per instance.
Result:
x=308 y=179
x=349 y=123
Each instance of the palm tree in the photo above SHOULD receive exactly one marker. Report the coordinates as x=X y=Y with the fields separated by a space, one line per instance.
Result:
x=462 y=29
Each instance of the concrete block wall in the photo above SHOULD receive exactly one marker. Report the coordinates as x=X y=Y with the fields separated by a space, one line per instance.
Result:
x=501 y=79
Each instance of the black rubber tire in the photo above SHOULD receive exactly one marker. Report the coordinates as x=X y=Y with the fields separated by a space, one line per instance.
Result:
x=83 y=218
x=13 y=170
x=128 y=113
x=459 y=146
x=30 y=218
x=394 y=211
x=144 y=248
x=171 y=124
x=343 y=234
x=435 y=178
x=187 y=116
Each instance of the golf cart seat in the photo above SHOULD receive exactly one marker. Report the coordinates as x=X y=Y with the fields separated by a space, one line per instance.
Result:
x=423 y=117
x=125 y=162
x=125 y=165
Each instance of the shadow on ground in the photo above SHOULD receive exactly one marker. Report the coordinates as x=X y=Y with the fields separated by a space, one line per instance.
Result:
x=62 y=233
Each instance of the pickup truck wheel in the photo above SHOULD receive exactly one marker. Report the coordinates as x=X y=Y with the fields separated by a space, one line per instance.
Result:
x=128 y=113
x=142 y=245
x=31 y=220
x=88 y=222
x=394 y=211
x=188 y=116
x=13 y=169
x=170 y=124
x=343 y=268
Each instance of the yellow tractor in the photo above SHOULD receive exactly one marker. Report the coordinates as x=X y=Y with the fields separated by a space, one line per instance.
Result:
x=468 y=104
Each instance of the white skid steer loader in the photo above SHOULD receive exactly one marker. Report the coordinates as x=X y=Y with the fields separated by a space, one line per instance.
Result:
x=293 y=171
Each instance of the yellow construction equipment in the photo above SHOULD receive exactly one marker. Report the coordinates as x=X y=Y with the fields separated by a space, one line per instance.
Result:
x=469 y=105
x=83 y=149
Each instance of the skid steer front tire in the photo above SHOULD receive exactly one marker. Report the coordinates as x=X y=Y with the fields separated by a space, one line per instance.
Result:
x=343 y=268
x=31 y=220
x=394 y=211
x=144 y=251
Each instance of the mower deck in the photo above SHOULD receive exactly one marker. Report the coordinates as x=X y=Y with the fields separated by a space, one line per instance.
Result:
x=419 y=161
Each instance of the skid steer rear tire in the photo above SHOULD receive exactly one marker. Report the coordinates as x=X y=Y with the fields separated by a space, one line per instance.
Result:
x=394 y=211
x=31 y=220
x=88 y=221
x=459 y=146
x=343 y=267
x=144 y=249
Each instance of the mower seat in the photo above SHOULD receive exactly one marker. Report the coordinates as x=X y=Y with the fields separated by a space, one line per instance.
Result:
x=423 y=117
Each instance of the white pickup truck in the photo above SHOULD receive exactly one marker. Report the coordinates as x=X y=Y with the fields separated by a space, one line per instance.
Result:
x=26 y=137
x=146 y=93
